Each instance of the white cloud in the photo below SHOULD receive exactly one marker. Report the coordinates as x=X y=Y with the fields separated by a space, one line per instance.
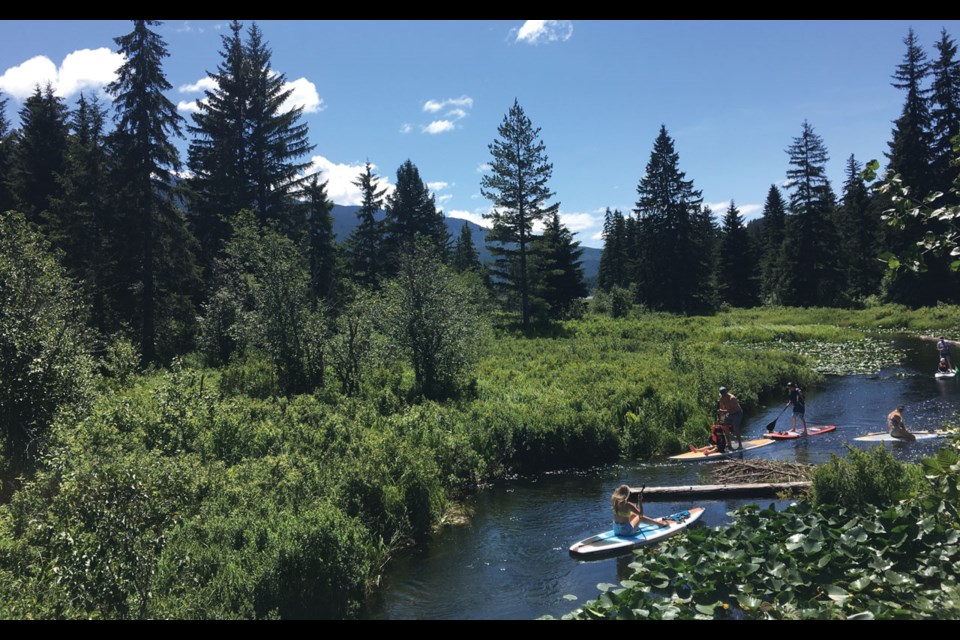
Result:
x=203 y=84
x=406 y=128
x=598 y=235
x=438 y=126
x=483 y=167
x=444 y=198
x=751 y=211
x=304 y=95
x=437 y=186
x=456 y=114
x=475 y=218
x=463 y=102
x=80 y=70
x=340 y=178
x=537 y=31
x=188 y=107
x=578 y=222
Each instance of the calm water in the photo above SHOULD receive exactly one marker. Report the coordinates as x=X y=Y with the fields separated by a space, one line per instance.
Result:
x=512 y=561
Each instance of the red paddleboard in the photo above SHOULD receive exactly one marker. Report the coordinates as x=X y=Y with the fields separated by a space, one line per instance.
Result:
x=791 y=435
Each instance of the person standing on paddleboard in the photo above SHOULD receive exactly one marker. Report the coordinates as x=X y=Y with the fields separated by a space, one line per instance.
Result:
x=896 y=427
x=799 y=402
x=944 y=348
x=731 y=414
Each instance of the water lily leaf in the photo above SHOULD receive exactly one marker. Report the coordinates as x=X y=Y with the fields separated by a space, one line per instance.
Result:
x=858 y=534
x=837 y=594
x=569 y=596
x=707 y=609
x=605 y=586
x=749 y=601
x=863 y=615
x=860 y=583
x=895 y=579
x=812 y=546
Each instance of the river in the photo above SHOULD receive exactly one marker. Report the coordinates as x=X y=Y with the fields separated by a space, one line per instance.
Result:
x=512 y=560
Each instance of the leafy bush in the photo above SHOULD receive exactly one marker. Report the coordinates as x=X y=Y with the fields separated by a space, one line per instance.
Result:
x=864 y=479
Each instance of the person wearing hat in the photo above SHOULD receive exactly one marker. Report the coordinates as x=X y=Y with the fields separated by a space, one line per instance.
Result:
x=896 y=427
x=731 y=414
x=799 y=403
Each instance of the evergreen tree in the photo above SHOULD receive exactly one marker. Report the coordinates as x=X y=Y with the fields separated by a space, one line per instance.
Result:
x=774 y=223
x=911 y=154
x=79 y=222
x=945 y=115
x=146 y=157
x=220 y=186
x=559 y=272
x=41 y=147
x=736 y=272
x=465 y=256
x=858 y=228
x=517 y=186
x=365 y=245
x=614 y=260
x=674 y=254
x=7 y=147
x=321 y=241
x=811 y=275
x=910 y=148
x=246 y=145
x=411 y=212
x=277 y=136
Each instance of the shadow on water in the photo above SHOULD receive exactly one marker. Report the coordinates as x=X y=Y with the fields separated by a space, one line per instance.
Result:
x=512 y=561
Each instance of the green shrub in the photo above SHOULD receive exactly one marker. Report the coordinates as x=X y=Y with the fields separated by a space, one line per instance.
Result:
x=863 y=479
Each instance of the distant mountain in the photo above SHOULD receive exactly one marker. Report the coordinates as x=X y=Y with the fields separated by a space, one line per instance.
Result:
x=345 y=219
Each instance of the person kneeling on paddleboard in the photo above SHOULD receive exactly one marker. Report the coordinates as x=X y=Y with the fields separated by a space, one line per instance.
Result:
x=896 y=427
x=718 y=441
x=943 y=367
x=626 y=515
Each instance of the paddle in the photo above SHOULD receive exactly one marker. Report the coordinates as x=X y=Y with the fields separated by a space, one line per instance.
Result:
x=773 y=425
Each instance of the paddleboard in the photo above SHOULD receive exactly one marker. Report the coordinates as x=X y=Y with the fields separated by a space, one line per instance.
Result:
x=691 y=456
x=792 y=435
x=608 y=542
x=945 y=374
x=883 y=436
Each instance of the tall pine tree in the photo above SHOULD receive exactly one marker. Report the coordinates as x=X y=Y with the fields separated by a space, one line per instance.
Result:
x=558 y=268
x=321 y=241
x=7 y=144
x=674 y=253
x=614 y=268
x=278 y=137
x=465 y=256
x=774 y=223
x=811 y=275
x=945 y=116
x=247 y=144
x=517 y=186
x=146 y=158
x=736 y=272
x=40 y=151
x=80 y=221
x=364 y=247
x=411 y=212
x=858 y=227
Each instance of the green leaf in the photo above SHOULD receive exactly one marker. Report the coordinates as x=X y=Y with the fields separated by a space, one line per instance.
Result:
x=837 y=594
x=570 y=596
x=707 y=609
x=863 y=615
x=605 y=586
x=895 y=579
x=860 y=583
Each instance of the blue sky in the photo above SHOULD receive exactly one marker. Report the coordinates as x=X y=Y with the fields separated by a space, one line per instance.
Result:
x=732 y=94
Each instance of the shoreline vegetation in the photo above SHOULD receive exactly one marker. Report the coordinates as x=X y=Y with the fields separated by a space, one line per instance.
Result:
x=194 y=492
